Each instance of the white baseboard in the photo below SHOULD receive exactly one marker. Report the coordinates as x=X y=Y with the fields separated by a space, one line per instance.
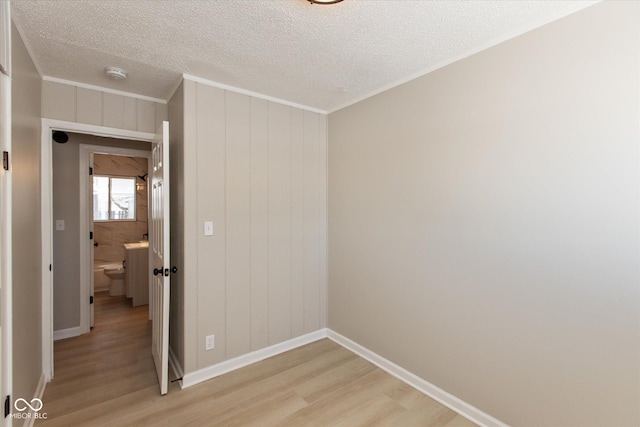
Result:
x=450 y=401
x=175 y=365
x=247 y=359
x=67 y=333
x=42 y=383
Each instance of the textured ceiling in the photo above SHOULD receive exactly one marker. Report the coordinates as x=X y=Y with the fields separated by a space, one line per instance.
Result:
x=320 y=56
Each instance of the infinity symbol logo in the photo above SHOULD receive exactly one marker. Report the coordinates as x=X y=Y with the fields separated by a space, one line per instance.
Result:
x=34 y=405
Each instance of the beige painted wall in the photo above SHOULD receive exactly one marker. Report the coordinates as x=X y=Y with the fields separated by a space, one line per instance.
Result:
x=75 y=104
x=26 y=238
x=484 y=224
x=66 y=206
x=110 y=235
x=257 y=169
x=176 y=190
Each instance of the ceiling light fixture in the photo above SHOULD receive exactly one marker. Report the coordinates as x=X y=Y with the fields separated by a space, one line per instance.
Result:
x=324 y=1
x=116 y=73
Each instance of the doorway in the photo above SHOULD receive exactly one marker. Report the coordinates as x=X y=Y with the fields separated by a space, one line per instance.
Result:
x=74 y=237
x=81 y=316
x=117 y=222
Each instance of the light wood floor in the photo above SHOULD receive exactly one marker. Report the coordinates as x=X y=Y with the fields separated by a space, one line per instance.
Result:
x=107 y=378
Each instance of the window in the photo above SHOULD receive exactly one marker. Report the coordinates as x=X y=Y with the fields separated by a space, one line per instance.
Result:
x=114 y=199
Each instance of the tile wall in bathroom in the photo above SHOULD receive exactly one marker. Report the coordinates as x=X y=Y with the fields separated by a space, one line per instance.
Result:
x=110 y=236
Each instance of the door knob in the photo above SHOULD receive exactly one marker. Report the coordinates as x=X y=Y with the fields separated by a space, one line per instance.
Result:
x=157 y=271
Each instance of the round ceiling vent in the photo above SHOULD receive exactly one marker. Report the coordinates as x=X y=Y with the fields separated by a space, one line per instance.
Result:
x=116 y=73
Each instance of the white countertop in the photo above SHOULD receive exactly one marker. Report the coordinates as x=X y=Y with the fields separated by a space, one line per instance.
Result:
x=137 y=245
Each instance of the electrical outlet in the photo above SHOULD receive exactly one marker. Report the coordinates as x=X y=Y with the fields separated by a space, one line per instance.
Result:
x=59 y=224
x=210 y=342
x=208 y=228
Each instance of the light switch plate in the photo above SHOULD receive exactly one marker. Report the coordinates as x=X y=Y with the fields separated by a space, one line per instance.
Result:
x=59 y=224
x=210 y=342
x=208 y=228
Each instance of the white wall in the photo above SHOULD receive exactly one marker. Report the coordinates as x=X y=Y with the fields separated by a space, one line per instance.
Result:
x=257 y=169
x=484 y=224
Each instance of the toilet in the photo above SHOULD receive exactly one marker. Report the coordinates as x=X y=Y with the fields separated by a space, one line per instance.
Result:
x=116 y=273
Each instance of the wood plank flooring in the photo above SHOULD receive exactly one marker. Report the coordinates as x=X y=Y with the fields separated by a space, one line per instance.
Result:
x=107 y=378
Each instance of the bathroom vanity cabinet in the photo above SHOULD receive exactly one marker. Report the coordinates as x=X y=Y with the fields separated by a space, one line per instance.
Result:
x=136 y=272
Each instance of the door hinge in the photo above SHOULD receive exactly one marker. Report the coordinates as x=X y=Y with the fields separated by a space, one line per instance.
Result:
x=5 y=160
x=91 y=235
x=50 y=267
x=90 y=170
x=91 y=299
x=7 y=406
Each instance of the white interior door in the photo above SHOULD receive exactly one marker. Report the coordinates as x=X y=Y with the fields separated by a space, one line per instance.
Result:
x=160 y=255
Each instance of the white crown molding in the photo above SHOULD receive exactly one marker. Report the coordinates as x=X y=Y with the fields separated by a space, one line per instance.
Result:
x=532 y=26
x=250 y=93
x=103 y=89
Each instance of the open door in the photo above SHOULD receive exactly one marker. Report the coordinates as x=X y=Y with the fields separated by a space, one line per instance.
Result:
x=160 y=255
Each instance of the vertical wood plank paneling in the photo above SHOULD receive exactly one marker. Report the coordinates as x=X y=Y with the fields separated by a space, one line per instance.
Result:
x=322 y=164
x=161 y=114
x=113 y=110
x=259 y=224
x=192 y=230
x=211 y=199
x=58 y=101
x=130 y=113
x=311 y=218
x=279 y=223
x=297 y=221
x=88 y=106
x=260 y=175
x=238 y=214
x=146 y=116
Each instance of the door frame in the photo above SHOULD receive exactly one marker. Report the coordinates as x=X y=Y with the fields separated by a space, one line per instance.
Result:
x=6 y=275
x=46 y=199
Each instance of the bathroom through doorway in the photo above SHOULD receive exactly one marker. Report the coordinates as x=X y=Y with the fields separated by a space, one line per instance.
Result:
x=118 y=211
x=67 y=274
x=74 y=237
